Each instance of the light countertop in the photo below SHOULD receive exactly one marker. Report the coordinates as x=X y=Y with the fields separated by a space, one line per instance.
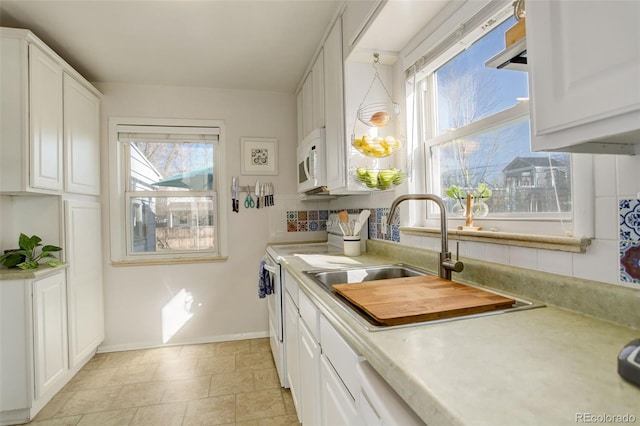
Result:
x=542 y=366
x=26 y=274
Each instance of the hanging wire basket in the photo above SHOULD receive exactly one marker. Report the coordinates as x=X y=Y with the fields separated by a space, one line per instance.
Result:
x=378 y=114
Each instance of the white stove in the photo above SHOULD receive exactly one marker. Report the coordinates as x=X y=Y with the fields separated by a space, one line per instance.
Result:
x=275 y=301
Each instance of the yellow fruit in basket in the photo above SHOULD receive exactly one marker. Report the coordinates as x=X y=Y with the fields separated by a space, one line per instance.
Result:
x=380 y=119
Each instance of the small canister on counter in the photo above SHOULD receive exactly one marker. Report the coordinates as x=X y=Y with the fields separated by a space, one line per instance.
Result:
x=352 y=245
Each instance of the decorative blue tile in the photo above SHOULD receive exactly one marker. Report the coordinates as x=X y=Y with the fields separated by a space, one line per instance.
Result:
x=630 y=220
x=322 y=225
x=378 y=215
x=323 y=214
x=292 y=216
x=313 y=225
x=395 y=233
x=630 y=262
x=372 y=230
x=312 y=215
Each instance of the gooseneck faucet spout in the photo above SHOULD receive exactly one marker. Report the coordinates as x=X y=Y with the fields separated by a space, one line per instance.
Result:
x=446 y=263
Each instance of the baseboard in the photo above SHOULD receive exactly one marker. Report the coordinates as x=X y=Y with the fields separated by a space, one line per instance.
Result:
x=195 y=341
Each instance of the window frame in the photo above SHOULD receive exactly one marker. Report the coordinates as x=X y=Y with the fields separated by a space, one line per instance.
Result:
x=120 y=195
x=420 y=86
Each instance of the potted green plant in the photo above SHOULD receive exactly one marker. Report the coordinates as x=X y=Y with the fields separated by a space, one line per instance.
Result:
x=481 y=194
x=29 y=255
x=458 y=194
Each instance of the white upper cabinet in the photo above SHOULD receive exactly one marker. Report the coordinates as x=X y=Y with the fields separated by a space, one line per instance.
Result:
x=584 y=70
x=45 y=120
x=317 y=75
x=81 y=138
x=42 y=117
x=310 y=100
x=334 y=108
x=355 y=19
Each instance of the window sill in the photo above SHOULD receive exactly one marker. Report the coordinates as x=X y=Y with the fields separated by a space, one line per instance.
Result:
x=152 y=262
x=546 y=242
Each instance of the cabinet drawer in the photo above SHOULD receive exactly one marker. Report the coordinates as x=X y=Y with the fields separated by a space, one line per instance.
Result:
x=341 y=356
x=310 y=315
x=291 y=286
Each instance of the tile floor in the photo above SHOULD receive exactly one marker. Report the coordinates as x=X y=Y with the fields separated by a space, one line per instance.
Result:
x=208 y=384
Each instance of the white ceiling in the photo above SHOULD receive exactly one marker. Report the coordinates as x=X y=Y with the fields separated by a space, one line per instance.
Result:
x=233 y=44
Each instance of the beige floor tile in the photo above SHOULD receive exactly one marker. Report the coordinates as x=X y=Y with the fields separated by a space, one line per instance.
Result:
x=120 y=359
x=186 y=389
x=90 y=379
x=89 y=401
x=260 y=404
x=211 y=411
x=260 y=345
x=54 y=405
x=216 y=365
x=108 y=418
x=266 y=379
x=231 y=383
x=204 y=350
x=181 y=368
x=233 y=347
x=161 y=354
x=290 y=419
x=93 y=363
x=133 y=374
x=160 y=415
x=254 y=361
x=61 y=421
x=139 y=394
x=289 y=406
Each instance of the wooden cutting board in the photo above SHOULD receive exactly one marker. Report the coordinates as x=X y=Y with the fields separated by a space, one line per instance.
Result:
x=414 y=299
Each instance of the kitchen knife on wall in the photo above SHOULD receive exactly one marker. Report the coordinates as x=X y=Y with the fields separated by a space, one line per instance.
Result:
x=235 y=204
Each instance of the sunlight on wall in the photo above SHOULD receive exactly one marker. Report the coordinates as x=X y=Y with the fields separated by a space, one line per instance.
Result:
x=175 y=314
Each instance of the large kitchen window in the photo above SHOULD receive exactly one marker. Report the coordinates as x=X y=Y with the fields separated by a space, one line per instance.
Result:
x=168 y=187
x=474 y=124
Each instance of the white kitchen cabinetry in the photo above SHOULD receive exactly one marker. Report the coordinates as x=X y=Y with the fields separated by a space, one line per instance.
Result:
x=42 y=111
x=81 y=138
x=338 y=407
x=309 y=357
x=355 y=19
x=584 y=71
x=334 y=109
x=33 y=349
x=84 y=285
x=291 y=316
x=310 y=100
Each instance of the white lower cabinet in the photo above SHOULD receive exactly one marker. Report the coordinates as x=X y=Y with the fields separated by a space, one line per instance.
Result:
x=291 y=349
x=33 y=351
x=337 y=404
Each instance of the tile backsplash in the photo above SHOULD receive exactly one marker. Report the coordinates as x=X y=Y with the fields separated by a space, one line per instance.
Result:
x=629 y=210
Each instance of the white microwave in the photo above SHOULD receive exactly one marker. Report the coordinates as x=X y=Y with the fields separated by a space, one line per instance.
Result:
x=312 y=163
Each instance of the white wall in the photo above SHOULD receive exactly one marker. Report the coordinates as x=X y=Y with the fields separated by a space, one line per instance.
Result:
x=225 y=301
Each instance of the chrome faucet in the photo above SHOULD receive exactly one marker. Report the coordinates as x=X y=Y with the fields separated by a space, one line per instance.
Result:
x=446 y=263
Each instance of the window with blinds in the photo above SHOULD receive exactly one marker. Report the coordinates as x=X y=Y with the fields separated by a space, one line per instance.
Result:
x=170 y=189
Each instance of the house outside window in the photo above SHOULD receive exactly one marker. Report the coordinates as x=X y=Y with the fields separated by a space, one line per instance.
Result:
x=474 y=121
x=168 y=204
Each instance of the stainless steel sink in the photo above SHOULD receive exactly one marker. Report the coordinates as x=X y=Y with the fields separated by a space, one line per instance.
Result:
x=326 y=279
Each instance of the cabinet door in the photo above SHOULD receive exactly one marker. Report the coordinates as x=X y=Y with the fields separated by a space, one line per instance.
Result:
x=81 y=138
x=338 y=407
x=307 y=105
x=334 y=108
x=85 y=294
x=45 y=110
x=50 y=333
x=355 y=20
x=584 y=69
x=317 y=75
x=291 y=349
x=310 y=376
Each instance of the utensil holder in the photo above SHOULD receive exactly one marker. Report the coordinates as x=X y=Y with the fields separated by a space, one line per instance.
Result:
x=351 y=245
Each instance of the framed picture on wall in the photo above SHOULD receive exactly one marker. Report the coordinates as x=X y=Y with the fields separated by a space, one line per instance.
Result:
x=259 y=156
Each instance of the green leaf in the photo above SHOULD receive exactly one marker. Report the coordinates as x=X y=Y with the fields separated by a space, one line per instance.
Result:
x=29 y=264
x=11 y=260
x=54 y=263
x=50 y=248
